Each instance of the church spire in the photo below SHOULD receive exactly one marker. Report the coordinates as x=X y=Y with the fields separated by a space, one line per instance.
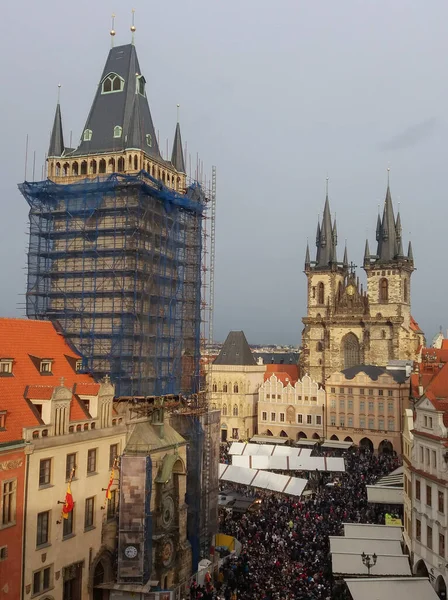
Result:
x=387 y=235
x=57 y=138
x=326 y=239
x=177 y=155
x=345 y=259
x=307 y=257
x=367 y=253
x=410 y=253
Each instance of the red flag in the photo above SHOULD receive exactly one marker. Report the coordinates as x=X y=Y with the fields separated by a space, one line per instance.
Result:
x=111 y=481
x=69 y=504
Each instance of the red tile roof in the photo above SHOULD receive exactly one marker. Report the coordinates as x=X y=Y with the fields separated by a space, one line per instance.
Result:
x=87 y=389
x=285 y=373
x=415 y=326
x=21 y=339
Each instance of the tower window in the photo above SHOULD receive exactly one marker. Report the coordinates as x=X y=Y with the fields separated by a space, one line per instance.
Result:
x=405 y=291
x=117 y=131
x=320 y=293
x=384 y=291
x=140 y=88
x=350 y=346
x=87 y=135
x=112 y=83
x=149 y=139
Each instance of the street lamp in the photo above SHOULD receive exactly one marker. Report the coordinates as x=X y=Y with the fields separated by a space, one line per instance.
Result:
x=369 y=561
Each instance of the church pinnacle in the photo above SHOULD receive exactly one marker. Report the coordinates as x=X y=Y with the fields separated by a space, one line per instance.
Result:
x=56 y=147
x=177 y=155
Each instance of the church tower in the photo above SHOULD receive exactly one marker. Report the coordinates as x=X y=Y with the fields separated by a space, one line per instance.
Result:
x=393 y=332
x=346 y=326
x=115 y=241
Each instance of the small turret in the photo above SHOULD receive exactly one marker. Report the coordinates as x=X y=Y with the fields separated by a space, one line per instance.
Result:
x=307 y=258
x=57 y=138
x=177 y=155
x=367 y=254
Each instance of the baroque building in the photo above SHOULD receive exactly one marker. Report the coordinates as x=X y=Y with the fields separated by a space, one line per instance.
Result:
x=346 y=325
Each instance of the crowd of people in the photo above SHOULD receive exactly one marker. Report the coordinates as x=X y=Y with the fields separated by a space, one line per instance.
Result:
x=285 y=544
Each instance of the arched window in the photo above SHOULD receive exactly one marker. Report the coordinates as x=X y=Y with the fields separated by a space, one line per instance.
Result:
x=87 y=135
x=58 y=169
x=235 y=388
x=111 y=165
x=102 y=168
x=405 y=291
x=120 y=165
x=350 y=348
x=235 y=410
x=130 y=161
x=65 y=169
x=319 y=347
x=320 y=293
x=93 y=167
x=117 y=131
x=383 y=334
x=75 y=168
x=224 y=388
x=141 y=85
x=224 y=410
x=84 y=167
x=135 y=163
x=112 y=83
x=214 y=388
x=384 y=291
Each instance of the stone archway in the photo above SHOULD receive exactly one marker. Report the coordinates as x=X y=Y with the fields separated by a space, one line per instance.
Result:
x=101 y=571
x=301 y=435
x=334 y=438
x=385 y=447
x=348 y=439
x=316 y=436
x=269 y=433
x=366 y=444
x=441 y=587
x=283 y=433
x=420 y=569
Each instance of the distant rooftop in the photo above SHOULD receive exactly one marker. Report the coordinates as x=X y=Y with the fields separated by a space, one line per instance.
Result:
x=235 y=351
x=372 y=371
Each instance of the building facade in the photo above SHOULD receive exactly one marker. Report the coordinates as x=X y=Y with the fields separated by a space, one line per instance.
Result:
x=429 y=484
x=345 y=325
x=234 y=379
x=115 y=242
x=408 y=444
x=365 y=405
x=289 y=407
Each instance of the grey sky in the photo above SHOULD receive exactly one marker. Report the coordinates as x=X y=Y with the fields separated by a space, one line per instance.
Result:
x=277 y=95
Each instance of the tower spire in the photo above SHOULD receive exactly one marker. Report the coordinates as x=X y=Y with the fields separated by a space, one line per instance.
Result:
x=57 y=147
x=326 y=238
x=177 y=155
x=307 y=257
x=410 y=253
x=112 y=31
x=345 y=259
x=367 y=253
x=133 y=27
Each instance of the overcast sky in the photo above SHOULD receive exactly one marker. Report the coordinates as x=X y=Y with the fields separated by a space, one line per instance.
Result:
x=277 y=95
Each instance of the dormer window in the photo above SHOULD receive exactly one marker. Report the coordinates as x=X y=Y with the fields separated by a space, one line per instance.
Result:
x=87 y=135
x=140 y=88
x=6 y=367
x=112 y=83
x=117 y=131
x=46 y=366
x=78 y=366
x=2 y=419
x=149 y=139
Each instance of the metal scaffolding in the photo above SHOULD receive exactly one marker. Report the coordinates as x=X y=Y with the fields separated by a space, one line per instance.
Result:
x=116 y=261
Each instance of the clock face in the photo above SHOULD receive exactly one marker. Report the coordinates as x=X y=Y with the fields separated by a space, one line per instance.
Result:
x=167 y=511
x=130 y=552
x=350 y=290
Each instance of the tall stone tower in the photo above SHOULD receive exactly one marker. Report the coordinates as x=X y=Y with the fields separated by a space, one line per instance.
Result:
x=115 y=242
x=345 y=326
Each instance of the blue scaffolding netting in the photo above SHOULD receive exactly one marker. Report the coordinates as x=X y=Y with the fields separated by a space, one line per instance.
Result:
x=116 y=263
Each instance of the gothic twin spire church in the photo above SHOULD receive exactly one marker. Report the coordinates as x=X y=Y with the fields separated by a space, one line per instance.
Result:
x=347 y=326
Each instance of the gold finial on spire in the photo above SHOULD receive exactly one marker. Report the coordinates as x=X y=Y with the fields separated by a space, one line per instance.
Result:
x=326 y=185
x=59 y=92
x=388 y=176
x=133 y=27
x=178 y=107
x=112 y=31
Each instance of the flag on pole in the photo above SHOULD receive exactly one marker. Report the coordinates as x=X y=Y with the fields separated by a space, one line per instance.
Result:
x=69 y=504
x=111 y=482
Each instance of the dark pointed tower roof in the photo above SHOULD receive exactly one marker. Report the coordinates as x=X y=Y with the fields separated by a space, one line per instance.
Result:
x=177 y=155
x=367 y=253
x=387 y=236
x=307 y=257
x=235 y=351
x=326 y=240
x=345 y=259
x=57 y=138
x=121 y=103
x=410 y=253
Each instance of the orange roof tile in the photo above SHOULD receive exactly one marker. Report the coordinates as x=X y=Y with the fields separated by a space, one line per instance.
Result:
x=415 y=326
x=285 y=373
x=87 y=389
x=21 y=339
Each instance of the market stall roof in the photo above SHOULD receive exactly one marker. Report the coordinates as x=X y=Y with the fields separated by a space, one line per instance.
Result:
x=305 y=442
x=292 y=486
x=269 y=439
x=391 y=588
x=375 y=532
x=243 y=449
x=377 y=494
x=386 y=564
x=290 y=463
x=341 y=544
x=336 y=444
